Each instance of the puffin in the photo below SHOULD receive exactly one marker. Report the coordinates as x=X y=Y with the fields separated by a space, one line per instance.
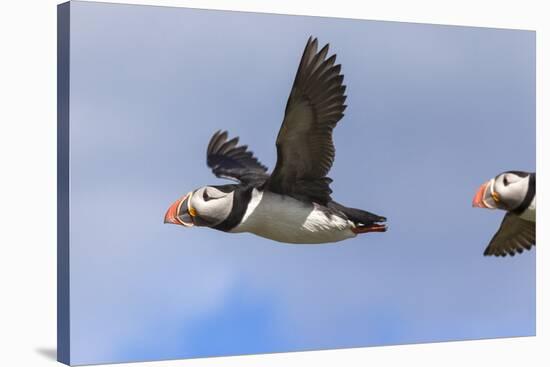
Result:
x=515 y=193
x=293 y=204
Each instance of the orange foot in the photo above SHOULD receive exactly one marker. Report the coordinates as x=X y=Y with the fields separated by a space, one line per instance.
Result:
x=371 y=228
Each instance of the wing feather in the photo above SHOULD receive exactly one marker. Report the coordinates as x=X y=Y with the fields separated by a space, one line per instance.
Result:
x=305 y=150
x=228 y=160
x=514 y=235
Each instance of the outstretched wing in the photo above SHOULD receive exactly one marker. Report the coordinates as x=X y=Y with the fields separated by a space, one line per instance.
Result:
x=513 y=236
x=305 y=150
x=228 y=160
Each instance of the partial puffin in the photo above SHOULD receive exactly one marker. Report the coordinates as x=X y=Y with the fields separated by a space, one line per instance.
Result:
x=514 y=192
x=293 y=204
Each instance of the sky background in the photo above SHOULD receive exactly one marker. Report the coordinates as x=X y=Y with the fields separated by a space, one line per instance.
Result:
x=433 y=111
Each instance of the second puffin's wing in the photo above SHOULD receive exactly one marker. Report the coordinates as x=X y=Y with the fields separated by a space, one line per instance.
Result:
x=305 y=150
x=228 y=160
x=513 y=236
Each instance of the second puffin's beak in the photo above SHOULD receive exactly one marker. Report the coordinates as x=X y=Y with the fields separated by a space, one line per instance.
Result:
x=484 y=196
x=179 y=212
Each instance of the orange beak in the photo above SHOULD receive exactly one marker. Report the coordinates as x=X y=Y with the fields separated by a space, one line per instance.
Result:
x=479 y=201
x=178 y=213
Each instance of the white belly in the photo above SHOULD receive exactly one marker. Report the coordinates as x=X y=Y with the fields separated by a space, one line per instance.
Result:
x=284 y=219
x=530 y=213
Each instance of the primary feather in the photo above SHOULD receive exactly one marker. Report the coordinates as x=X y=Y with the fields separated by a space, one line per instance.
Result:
x=228 y=160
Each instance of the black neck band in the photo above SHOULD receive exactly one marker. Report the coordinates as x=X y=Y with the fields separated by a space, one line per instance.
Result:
x=241 y=198
x=531 y=191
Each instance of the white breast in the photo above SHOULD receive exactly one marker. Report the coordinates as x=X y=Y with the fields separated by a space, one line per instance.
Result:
x=530 y=213
x=284 y=219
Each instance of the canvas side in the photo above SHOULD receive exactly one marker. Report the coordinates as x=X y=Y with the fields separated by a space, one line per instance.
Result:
x=63 y=74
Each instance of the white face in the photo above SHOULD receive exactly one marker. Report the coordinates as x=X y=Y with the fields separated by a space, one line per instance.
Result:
x=510 y=189
x=210 y=206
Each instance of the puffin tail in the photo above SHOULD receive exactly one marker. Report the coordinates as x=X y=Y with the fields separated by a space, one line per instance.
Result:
x=359 y=217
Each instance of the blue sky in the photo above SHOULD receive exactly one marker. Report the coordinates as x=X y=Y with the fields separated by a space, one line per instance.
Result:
x=433 y=112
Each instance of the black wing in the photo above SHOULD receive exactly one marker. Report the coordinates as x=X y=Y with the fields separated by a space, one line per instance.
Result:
x=227 y=160
x=513 y=236
x=305 y=151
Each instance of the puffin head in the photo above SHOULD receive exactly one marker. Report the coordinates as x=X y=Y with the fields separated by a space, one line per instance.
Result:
x=505 y=191
x=207 y=206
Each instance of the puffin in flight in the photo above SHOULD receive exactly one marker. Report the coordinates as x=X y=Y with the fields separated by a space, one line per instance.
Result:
x=514 y=192
x=292 y=204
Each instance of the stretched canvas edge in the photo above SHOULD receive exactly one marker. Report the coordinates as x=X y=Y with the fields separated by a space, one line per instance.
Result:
x=63 y=265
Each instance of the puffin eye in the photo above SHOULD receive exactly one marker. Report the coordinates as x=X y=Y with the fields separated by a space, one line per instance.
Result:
x=505 y=181
x=205 y=196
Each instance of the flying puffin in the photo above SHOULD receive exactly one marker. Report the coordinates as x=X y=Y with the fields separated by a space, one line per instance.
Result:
x=293 y=203
x=515 y=192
